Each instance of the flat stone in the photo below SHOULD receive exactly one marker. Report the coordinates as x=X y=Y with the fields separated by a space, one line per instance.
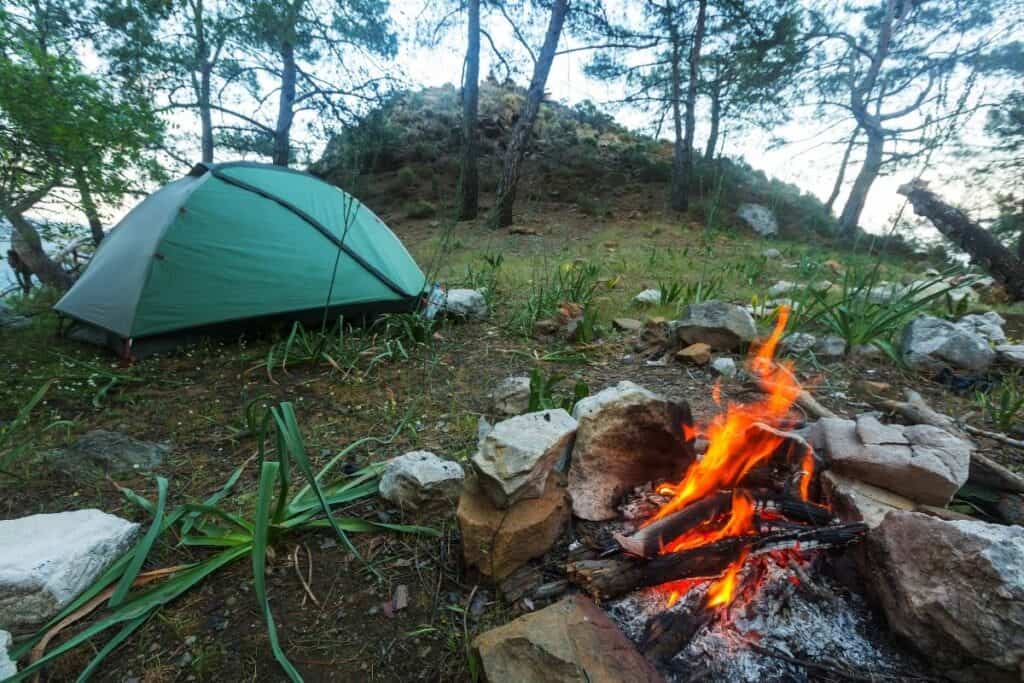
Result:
x=759 y=218
x=465 y=303
x=725 y=366
x=771 y=253
x=648 y=297
x=515 y=457
x=781 y=287
x=7 y=666
x=627 y=324
x=571 y=641
x=420 y=479
x=627 y=435
x=830 y=346
x=856 y=501
x=1011 y=354
x=511 y=396
x=47 y=560
x=932 y=344
x=110 y=452
x=954 y=590
x=498 y=541
x=721 y=325
x=927 y=464
x=697 y=354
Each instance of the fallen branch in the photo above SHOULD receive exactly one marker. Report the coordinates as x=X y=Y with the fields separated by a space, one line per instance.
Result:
x=995 y=436
x=803 y=399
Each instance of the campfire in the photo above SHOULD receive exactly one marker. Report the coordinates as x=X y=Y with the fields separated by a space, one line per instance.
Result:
x=745 y=510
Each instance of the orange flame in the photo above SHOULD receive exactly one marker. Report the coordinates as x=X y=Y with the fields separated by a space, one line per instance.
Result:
x=722 y=591
x=740 y=522
x=807 y=473
x=732 y=451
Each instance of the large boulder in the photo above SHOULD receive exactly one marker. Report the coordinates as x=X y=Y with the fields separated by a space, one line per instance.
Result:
x=107 y=451
x=511 y=396
x=954 y=590
x=569 y=642
x=759 y=217
x=419 y=480
x=47 y=560
x=7 y=667
x=627 y=435
x=721 y=325
x=921 y=462
x=933 y=344
x=498 y=541
x=515 y=457
x=465 y=303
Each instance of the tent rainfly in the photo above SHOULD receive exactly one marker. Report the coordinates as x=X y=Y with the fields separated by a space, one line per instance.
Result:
x=235 y=243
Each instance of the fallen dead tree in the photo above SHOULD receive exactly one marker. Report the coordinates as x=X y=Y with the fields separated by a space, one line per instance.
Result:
x=983 y=247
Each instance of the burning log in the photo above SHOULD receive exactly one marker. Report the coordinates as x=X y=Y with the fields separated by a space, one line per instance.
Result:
x=651 y=539
x=670 y=632
x=615 y=577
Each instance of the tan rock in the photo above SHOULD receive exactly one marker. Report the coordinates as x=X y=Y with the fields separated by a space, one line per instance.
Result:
x=627 y=324
x=497 y=542
x=857 y=501
x=696 y=354
x=569 y=642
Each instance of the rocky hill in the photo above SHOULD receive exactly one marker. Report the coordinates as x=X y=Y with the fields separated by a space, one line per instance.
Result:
x=403 y=161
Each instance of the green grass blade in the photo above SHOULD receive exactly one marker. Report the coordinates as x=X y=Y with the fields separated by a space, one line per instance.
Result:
x=143 y=548
x=357 y=525
x=221 y=493
x=111 y=645
x=233 y=519
x=268 y=475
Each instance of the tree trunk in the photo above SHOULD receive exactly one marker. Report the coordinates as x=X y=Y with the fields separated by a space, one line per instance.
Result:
x=527 y=116
x=850 y=218
x=677 y=198
x=716 y=115
x=26 y=243
x=983 y=247
x=205 y=116
x=285 y=106
x=691 y=102
x=89 y=206
x=837 y=188
x=469 y=179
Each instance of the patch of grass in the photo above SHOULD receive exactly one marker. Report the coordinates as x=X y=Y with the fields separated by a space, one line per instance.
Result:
x=545 y=393
x=1004 y=403
x=419 y=209
x=227 y=538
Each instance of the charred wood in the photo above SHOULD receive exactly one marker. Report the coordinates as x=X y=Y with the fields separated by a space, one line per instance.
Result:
x=669 y=632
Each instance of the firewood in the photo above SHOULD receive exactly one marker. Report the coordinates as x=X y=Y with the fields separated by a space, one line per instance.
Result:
x=803 y=399
x=669 y=632
x=649 y=540
x=612 y=578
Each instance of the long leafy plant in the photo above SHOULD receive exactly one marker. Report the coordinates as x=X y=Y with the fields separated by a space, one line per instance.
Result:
x=279 y=512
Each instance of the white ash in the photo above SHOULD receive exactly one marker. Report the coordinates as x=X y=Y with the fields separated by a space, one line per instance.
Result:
x=824 y=625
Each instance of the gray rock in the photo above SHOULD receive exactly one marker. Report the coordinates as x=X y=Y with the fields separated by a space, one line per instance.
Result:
x=923 y=463
x=759 y=217
x=830 y=346
x=866 y=351
x=954 y=590
x=511 y=396
x=516 y=456
x=1011 y=354
x=854 y=500
x=648 y=297
x=110 y=452
x=627 y=436
x=940 y=289
x=822 y=286
x=932 y=344
x=884 y=292
x=986 y=325
x=47 y=560
x=7 y=667
x=721 y=325
x=781 y=287
x=771 y=253
x=420 y=480
x=798 y=342
x=465 y=303
x=725 y=366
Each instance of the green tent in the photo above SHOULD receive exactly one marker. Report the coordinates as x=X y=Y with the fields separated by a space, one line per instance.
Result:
x=237 y=242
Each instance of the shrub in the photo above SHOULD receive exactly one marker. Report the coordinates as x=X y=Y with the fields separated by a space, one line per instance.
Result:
x=420 y=209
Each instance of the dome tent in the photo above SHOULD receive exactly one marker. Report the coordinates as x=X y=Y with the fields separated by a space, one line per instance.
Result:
x=236 y=242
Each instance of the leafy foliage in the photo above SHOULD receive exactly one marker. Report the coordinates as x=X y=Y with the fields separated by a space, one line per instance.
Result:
x=545 y=396
x=1004 y=404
